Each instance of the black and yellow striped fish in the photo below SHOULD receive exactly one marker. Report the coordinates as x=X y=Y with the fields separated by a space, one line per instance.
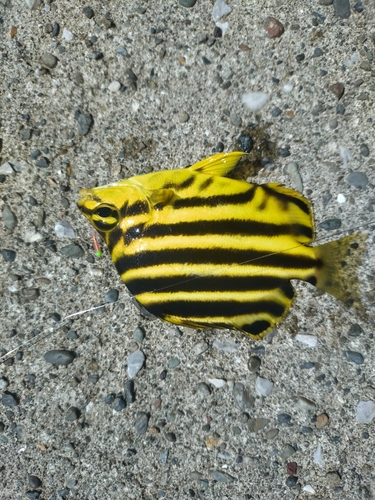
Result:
x=196 y=248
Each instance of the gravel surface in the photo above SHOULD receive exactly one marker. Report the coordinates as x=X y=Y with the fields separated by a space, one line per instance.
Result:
x=112 y=403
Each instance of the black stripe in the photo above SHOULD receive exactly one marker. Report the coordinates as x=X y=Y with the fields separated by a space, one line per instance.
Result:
x=185 y=283
x=113 y=237
x=205 y=184
x=139 y=207
x=216 y=256
x=257 y=327
x=285 y=199
x=200 y=309
x=214 y=201
x=226 y=226
x=124 y=210
x=182 y=185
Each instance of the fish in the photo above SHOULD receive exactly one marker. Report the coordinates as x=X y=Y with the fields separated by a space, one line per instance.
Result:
x=199 y=249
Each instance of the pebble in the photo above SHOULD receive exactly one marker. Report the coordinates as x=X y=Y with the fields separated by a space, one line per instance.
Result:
x=63 y=229
x=308 y=488
x=67 y=35
x=365 y=412
x=18 y=166
x=6 y=169
x=34 y=482
x=333 y=479
x=330 y=224
x=73 y=413
x=49 y=60
x=338 y=89
x=114 y=86
x=305 y=404
x=111 y=296
x=318 y=52
x=173 y=362
x=340 y=109
x=119 y=403
x=43 y=162
x=139 y=335
x=135 y=362
x=291 y=481
x=220 y=9
x=72 y=251
x=171 y=437
x=55 y=30
x=354 y=357
x=9 y=218
x=263 y=386
x=226 y=346
x=122 y=51
x=32 y=495
x=355 y=330
x=364 y=150
x=257 y=424
x=291 y=468
x=245 y=143
x=318 y=456
x=272 y=433
x=217 y=382
x=183 y=117
x=321 y=420
x=8 y=255
x=203 y=389
x=254 y=101
x=200 y=348
x=309 y=340
x=292 y=170
x=3 y=383
x=242 y=396
x=235 y=119
x=10 y=399
x=187 y=3
x=341 y=198
x=88 y=12
x=222 y=477
x=129 y=392
x=357 y=179
x=342 y=8
x=141 y=422
x=60 y=357
x=284 y=418
x=284 y=151
x=163 y=457
x=333 y=123
x=32 y=4
x=346 y=156
x=287 y=451
x=84 y=122
x=273 y=27
x=276 y=112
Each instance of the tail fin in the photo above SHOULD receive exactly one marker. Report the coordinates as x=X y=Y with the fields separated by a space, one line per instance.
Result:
x=337 y=274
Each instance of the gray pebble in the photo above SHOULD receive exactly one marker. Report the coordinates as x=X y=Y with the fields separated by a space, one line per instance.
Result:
x=141 y=422
x=3 y=383
x=325 y=2
x=183 y=117
x=10 y=399
x=272 y=433
x=171 y=437
x=364 y=150
x=330 y=224
x=173 y=362
x=342 y=8
x=354 y=357
x=129 y=391
x=139 y=335
x=8 y=255
x=78 y=78
x=60 y=357
x=135 y=363
x=9 y=218
x=276 y=112
x=121 y=50
x=163 y=457
x=43 y=162
x=305 y=404
x=49 y=60
x=131 y=75
x=357 y=179
x=257 y=424
x=340 y=109
x=32 y=4
x=203 y=389
x=93 y=378
x=108 y=400
x=200 y=348
x=119 y=403
x=32 y=495
x=226 y=346
x=55 y=30
x=187 y=3
x=284 y=151
x=222 y=477
x=291 y=481
x=287 y=451
x=72 y=414
x=243 y=397
x=111 y=296
x=235 y=119
x=333 y=479
x=34 y=482
x=333 y=123
x=84 y=122
x=63 y=229
x=88 y=11
x=292 y=170
x=34 y=154
x=254 y=363
x=72 y=251
x=318 y=52
x=245 y=143
x=355 y=330
x=2 y=427
x=7 y=169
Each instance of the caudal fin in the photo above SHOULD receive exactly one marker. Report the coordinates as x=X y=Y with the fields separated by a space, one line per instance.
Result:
x=337 y=274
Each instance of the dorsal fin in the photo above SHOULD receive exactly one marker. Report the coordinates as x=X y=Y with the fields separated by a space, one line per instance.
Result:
x=219 y=164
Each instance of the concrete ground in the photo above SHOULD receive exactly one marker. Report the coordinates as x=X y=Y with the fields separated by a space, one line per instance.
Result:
x=89 y=97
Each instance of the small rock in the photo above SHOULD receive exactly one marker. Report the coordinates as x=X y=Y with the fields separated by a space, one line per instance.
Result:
x=121 y=50
x=200 y=348
x=72 y=414
x=333 y=479
x=220 y=9
x=342 y=8
x=217 y=382
x=354 y=357
x=254 y=101
x=283 y=418
x=357 y=179
x=235 y=119
x=212 y=441
x=3 y=383
x=88 y=12
x=34 y=482
x=365 y=412
x=173 y=362
x=254 y=364
x=9 y=218
x=263 y=386
x=43 y=162
x=321 y=420
x=78 y=78
x=135 y=363
x=6 y=169
x=72 y=251
x=10 y=399
x=111 y=296
x=67 y=35
x=8 y=255
x=292 y=170
x=338 y=89
x=129 y=392
x=355 y=330
x=187 y=3
x=257 y=424
x=330 y=224
x=333 y=123
x=291 y=468
x=60 y=357
x=203 y=389
x=119 y=404
x=222 y=477
x=33 y=495
x=141 y=422
x=309 y=340
x=318 y=52
x=32 y=4
x=171 y=437
x=245 y=143
x=139 y=335
x=364 y=150
x=84 y=122
x=63 y=229
x=318 y=456
x=273 y=27
x=242 y=397
x=305 y=404
x=49 y=60
x=114 y=86
x=287 y=451
x=183 y=117
x=226 y=346
x=272 y=433
x=291 y=481
x=55 y=30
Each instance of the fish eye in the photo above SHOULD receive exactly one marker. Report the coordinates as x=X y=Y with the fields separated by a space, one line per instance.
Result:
x=104 y=212
x=105 y=218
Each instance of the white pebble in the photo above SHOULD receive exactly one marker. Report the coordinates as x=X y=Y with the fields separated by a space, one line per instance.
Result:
x=7 y=169
x=318 y=457
x=309 y=489
x=226 y=346
x=255 y=101
x=32 y=236
x=67 y=35
x=217 y=382
x=293 y=171
x=365 y=412
x=64 y=230
x=310 y=340
x=114 y=86
x=223 y=26
x=288 y=87
x=89 y=406
x=18 y=167
x=135 y=363
x=345 y=156
x=32 y=4
x=341 y=198
x=263 y=386
x=220 y=9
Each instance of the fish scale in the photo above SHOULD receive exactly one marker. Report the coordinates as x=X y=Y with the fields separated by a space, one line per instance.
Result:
x=199 y=249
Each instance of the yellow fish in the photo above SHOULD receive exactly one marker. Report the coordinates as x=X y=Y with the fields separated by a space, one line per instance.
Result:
x=198 y=249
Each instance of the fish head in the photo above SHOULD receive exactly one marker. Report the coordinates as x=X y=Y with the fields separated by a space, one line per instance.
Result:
x=106 y=206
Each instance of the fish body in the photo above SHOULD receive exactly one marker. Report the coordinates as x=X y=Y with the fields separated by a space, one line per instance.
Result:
x=199 y=249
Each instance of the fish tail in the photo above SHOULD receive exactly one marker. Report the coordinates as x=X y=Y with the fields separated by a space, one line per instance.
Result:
x=336 y=273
